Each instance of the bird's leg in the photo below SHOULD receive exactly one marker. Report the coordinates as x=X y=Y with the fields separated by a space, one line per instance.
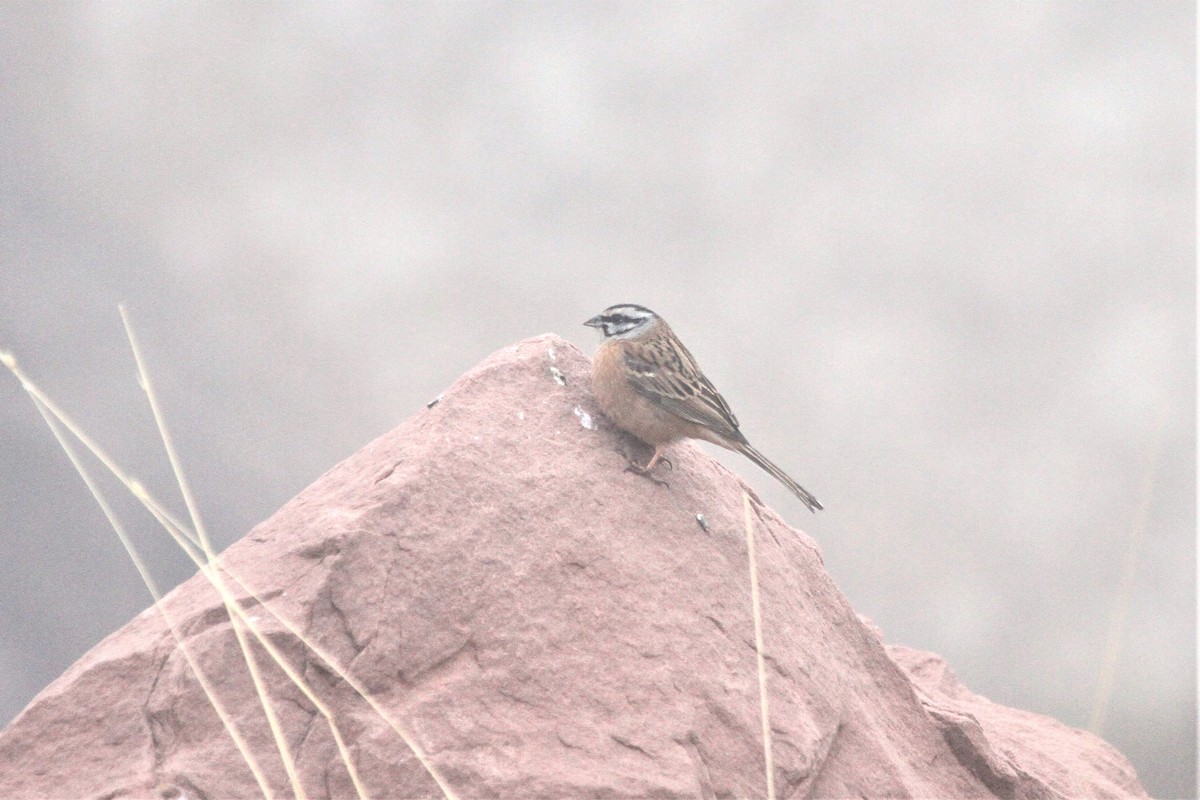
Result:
x=646 y=470
x=658 y=456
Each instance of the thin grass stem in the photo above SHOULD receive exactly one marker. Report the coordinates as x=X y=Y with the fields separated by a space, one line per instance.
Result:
x=756 y=605
x=260 y=689
x=186 y=539
x=226 y=720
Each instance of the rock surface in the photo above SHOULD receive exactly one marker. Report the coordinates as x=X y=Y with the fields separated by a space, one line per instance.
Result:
x=544 y=624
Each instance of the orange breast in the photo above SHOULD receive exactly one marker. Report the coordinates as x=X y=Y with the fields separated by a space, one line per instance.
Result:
x=629 y=410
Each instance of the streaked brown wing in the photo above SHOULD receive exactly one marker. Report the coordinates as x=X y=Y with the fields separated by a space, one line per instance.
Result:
x=665 y=372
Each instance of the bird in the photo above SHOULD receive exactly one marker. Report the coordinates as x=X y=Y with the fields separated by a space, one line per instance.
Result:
x=649 y=385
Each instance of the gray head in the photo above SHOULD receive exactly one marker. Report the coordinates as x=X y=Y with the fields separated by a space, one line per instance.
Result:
x=622 y=320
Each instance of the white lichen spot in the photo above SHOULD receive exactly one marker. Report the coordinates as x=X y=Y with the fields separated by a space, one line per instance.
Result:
x=477 y=438
x=550 y=351
x=558 y=376
x=521 y=415
x=585 y=419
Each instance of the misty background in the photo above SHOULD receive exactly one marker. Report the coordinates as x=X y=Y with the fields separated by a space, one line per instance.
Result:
x=939 y=257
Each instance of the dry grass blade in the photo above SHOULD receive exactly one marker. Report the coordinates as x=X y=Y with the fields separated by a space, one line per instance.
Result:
x=1124 y=593
x=226 y=720
x=260 y=689
x=186 y=539
x=215 y=578
x=758 y=647
x=244 y=620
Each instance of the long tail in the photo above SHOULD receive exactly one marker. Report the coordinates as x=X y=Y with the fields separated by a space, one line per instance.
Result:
x=781 y=476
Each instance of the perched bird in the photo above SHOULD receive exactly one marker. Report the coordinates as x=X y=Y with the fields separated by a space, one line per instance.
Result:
x=649 y=385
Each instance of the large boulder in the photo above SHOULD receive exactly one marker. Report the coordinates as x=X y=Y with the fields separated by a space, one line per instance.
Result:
x=541 y=623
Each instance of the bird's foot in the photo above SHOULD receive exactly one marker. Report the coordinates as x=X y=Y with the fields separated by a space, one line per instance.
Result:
x=648 y=470
x=645 y=472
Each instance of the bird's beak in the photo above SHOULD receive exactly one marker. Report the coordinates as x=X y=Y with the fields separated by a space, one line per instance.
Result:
x=595 y=322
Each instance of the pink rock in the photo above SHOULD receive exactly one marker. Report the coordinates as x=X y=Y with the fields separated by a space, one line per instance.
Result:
x=544 y=624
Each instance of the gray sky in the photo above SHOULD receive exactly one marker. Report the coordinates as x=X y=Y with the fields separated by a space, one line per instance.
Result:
x=939 y=257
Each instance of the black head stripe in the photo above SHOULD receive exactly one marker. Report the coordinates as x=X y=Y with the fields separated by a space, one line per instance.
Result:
x=629 y=308
x=623 y=318
x=629 y=313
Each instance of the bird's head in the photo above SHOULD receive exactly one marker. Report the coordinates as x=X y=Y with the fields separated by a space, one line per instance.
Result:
x=623 y=321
